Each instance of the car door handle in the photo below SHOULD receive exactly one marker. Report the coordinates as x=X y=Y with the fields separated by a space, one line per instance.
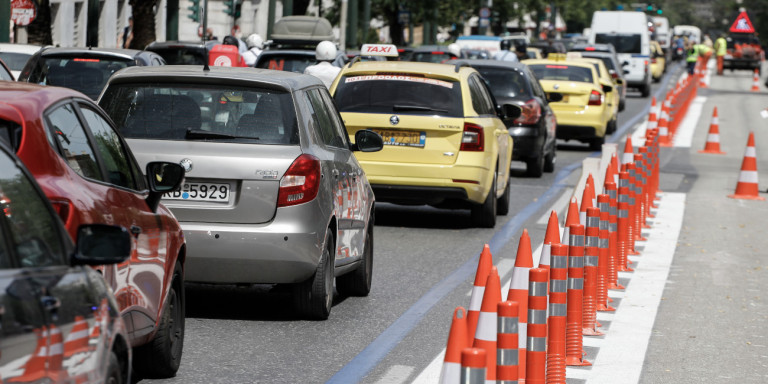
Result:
x=136 y=230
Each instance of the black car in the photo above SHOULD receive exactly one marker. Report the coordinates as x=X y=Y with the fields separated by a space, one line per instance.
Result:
x=293 y=43
x=431 y=54
x=83 y=69
x=59 y=319
x=180 y=52
x=534 y=132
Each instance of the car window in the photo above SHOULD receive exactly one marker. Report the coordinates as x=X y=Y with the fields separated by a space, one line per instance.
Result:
x=505 y=83
x=325 y=124
x=562 y=72
x=480 y=101
x=10 y=132
x=31 y=225
x=183 y=56
x=338 y=124
x=286 y=62
x=535 y=86
x=111 y=150
x=401 y=94
x=85 y=74
x=73 y=141
x=15 y=61
x=623 y=42
x=170 y=111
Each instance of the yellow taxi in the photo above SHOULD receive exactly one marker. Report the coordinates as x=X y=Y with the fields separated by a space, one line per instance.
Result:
x=583 y=114
x=533 y=53
x=612 y=96
x=658 y=61
x=446 y=144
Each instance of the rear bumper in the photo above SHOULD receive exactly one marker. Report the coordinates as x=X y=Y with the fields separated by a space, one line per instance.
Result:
x=528 y=142
x=573 y=124
x=566 y=132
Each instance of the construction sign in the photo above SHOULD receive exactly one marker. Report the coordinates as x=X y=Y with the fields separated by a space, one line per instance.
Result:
x=742 y=24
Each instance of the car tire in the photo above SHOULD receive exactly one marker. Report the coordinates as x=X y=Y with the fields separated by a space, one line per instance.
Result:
x=313 y=298
x=161 y=357
x=596 y=144
x=484 y=215
x=645 y=91
x=611 y=128
x=502 y=204
x=622 y=105
x=535 y=167
x=358 y=282
x=114 y=373
x=550 y=159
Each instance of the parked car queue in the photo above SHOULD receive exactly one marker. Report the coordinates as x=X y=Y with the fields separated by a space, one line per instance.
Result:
x=84 y=162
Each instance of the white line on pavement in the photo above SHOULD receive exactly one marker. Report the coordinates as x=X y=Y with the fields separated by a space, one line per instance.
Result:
x=684 y=134
x=396 y=374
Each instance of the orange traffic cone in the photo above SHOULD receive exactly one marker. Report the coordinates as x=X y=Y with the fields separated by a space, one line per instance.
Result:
x=747 y=186
x=478 y=290
x=518 y=291
x=507 y=367
x=713 y=137
x=34 y=368
x=485 y=336
x=457 y=341
x=652 y=118
x=756 y=82
x=572 y=217
x=629 y=152
x=77 y=339
x=552 y=237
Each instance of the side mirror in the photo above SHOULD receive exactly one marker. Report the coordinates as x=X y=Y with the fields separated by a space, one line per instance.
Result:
x=607 y=88
x=162 y=177
x=99 y=244
x=511 y=111
x=367 y=141
x=554 y=97
x=625 y=63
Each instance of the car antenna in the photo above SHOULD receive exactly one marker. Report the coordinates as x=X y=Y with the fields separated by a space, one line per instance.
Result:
x=206 y=68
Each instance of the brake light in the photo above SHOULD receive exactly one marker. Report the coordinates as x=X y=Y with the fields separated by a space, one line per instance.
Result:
x=438 y=53
x=645 y=63
x=63 y=209
x=595 y=98
x=473 y=139
x=531 y=112
x=653 y=61
x=614 y=74
x=556 y=66
x=301 y=182
x=589 y=48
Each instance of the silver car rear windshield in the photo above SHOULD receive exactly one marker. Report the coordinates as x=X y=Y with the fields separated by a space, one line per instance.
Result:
x=202 y=113
x=399 y=93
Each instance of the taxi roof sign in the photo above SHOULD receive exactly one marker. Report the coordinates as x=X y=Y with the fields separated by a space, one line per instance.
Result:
x=378 y=50
x=555 y=56
x=742 y=24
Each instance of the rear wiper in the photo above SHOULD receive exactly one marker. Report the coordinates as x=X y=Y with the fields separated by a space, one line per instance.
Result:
x=416 y=108
x=193 y=134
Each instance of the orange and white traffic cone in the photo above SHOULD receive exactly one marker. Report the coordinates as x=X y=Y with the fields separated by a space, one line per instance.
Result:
x=587 y=199
x=34 y=368
x=536 y=351
x=457 y=341
x=485 y=336
x=574 y=343
x=572 y=217
x=713 y=137
x=77 y=339
x=518 y=291
x=756 y=82
x=473 y=366
x=552 y=236
x=652 y=118
x=478 y=290
x=629 y=152
x=747 y=185
x=507 y=367
x=556 y=322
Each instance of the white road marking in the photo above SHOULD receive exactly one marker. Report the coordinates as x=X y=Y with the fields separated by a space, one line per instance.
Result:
x=684 y=134
x=396 y=374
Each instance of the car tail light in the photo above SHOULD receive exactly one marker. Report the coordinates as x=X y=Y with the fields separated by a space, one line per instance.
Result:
x=645 y=63
x=614 y=74
x=595 y=98
x=301 y=182
x=531 y=112
x=473 y=139
x=63 y=209
x=653 y=61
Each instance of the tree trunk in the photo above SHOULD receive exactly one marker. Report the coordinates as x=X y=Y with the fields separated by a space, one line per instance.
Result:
x=39 y=30
x=143 y=22
x=395 y=28
x=300 y=7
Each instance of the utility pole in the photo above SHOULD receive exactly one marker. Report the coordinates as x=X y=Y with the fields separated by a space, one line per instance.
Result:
x=288 y=7
x=172 y=20
x=343 y=25
x=5 y=21
x=270 y=18
x=366 y=22
x=352 y=25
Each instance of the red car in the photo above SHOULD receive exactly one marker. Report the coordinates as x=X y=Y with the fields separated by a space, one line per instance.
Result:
x=90 y=176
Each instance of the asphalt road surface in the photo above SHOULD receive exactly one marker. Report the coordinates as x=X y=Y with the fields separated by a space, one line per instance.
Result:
x=709 y=326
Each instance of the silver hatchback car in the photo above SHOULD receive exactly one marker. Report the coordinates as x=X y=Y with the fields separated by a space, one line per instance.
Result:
x=273 y=192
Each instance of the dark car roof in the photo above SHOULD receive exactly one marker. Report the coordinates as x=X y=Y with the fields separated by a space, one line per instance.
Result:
x=178 y=73
x=489 y=63
x=175 y=43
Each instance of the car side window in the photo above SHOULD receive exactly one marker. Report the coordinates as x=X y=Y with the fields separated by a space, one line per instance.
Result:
x=33 y=228
x=537 y=91
x=107 y=142
x=325 y=123
x=480 y=100
x=338 y=125
x=76 y=148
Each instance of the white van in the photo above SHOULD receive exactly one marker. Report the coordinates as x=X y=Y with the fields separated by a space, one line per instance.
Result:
x=629 y=34
x=663 y=34
x=693 y=33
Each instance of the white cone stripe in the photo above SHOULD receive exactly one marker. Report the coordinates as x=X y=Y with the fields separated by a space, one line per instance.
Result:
x=476 y=300
x=451 y=373
x=486 y=326
x=43 y=352
x=750 y=152
x=546 y=252
x=56 y=349
x=713 y=138
x=628 y=158
x=77 y=335
x=715 y=120
x=663 y=131
x=748 y=177
x=519 y=278
x=522 y=332
x=652 y=124
x=566 y=236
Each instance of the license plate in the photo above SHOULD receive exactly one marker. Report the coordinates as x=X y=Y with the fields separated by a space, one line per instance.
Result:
x=200 y=192
x=403 y=138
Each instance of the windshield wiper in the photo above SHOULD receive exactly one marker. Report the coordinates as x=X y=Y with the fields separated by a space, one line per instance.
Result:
x=193 y=134
x=416 y=108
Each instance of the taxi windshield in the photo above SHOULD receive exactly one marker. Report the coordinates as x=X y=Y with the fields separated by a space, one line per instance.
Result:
x=403 y=94
x=562 y=72
x=202 y=112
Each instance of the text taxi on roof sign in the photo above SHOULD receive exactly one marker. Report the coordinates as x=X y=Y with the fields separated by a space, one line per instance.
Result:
x=378 y=50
